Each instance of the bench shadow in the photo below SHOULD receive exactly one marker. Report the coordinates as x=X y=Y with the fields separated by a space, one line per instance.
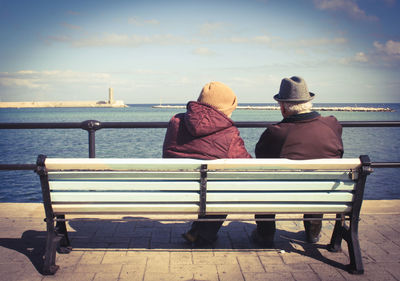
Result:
x=155 y=236
x=31 y=244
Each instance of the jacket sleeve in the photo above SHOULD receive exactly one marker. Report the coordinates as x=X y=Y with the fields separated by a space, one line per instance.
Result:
x=237 y=149
x=268 y=146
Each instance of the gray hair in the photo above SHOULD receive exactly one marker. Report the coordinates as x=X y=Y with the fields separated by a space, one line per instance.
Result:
x=296 y=107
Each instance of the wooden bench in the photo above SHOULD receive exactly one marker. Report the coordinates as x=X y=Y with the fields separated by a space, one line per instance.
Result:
x=189 y=186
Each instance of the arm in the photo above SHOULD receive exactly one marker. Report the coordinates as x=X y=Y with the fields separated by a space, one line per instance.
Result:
x=268 y=146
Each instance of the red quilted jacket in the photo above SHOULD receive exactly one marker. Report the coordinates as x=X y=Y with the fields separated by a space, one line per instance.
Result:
x=203 y=132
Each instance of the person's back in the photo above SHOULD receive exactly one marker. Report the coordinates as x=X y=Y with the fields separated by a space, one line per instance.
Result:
x=205 y=131
x=302 y=134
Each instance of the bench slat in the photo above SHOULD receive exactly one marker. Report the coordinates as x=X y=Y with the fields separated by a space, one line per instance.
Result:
x=212 y=208
x=332 y=175
x=185 y=164
x=280 y=197
x=172 y=197
x=125 y=209
x=124 y=185
x=104 y=175
x=195 y=185
x=284 y=164
x=280 y=185
x=125 y=197
x=290 y=208
x=156 y=164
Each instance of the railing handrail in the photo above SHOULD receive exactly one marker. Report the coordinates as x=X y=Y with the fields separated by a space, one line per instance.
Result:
x=91 y=126
x=96 y=125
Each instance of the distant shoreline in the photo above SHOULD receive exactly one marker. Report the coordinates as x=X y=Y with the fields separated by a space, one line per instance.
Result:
x=318 y=108
x=62 y=104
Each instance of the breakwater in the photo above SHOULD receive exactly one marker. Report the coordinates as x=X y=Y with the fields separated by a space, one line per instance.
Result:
x=317 y=108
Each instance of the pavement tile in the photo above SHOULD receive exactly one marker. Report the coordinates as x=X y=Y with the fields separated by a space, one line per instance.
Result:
x=96 y=268
x=156 y=276
x=305 y=276
x=70 y=259
x=181 y=258
x=102 y=276
x=90 y=257
x=81 y=276
x=372 y=272
x=229 y=272
x=123 y=258
x=327 y=272
x=158 y=264
x=250 y=264
x=132 y=272
x=271 y=260
x=393 y=269
x=262 y=276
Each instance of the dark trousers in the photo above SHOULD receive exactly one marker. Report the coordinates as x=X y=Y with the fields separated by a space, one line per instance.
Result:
x=207 y=229
x=268 y=228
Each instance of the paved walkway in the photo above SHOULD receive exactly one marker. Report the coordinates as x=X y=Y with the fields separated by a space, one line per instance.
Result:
x=153 y=250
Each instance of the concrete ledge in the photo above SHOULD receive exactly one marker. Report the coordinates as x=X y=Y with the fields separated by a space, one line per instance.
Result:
x=19 y=210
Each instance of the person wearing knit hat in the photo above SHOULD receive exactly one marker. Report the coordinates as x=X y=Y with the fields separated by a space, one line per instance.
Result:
x=205 y=131
x=219 y=96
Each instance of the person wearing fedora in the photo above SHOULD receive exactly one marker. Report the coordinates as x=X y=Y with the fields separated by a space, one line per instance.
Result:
x=302 y=134
x=205 y=131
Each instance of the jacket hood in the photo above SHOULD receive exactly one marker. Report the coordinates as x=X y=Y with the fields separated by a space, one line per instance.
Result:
x=202 y=119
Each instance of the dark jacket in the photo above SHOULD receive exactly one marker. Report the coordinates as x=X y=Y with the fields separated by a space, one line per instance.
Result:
x=203 y=132
x=302 y=136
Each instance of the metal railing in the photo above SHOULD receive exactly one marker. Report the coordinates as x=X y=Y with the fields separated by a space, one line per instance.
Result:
x=91 y=126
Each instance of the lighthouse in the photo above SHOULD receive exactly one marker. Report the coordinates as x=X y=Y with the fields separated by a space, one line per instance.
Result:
x=110 y=96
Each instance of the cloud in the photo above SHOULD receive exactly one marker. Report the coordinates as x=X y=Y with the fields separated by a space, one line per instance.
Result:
x=140 y=22
x=202 y=51
x=211 y=28
x=44 y=79
x=361 y=57
x=350 y=7
x=387 y=55
x=120 y=40
x=390 y=48
x=71 y=26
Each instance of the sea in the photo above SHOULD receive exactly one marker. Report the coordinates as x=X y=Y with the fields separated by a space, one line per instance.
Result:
x=22 y=146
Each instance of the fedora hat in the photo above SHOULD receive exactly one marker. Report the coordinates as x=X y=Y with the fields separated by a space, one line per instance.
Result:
x=294 y=89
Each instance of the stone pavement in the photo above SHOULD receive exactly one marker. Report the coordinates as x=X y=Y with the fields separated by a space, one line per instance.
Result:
x=154 y=250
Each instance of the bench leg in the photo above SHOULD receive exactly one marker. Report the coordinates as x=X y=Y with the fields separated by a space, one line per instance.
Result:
x=337 y=236
x=356 y=265
x=61 y=228
x=52 y=241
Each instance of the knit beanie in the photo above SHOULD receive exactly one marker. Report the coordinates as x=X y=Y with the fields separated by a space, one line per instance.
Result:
x=219 y=96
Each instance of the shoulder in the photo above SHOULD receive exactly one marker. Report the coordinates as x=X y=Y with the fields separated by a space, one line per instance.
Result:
x=331 y=120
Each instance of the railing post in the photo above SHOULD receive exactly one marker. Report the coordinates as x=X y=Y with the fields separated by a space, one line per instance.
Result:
x=91 y=126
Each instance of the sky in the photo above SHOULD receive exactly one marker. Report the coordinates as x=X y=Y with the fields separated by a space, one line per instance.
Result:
x=347 y=51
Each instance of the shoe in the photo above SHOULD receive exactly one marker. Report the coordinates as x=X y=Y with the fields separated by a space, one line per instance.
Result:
x=313 y=232
x=265 y=240
x=198 y=241
x=190 y=238
x=201 y=242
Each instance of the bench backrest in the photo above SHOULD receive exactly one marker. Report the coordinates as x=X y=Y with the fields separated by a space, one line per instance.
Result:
x=190 y=186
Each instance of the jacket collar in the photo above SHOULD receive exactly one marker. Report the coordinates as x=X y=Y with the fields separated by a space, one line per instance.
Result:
x=301 y=117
